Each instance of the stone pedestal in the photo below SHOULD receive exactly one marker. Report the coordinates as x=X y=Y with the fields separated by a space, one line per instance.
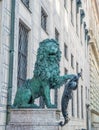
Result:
x=33 y=119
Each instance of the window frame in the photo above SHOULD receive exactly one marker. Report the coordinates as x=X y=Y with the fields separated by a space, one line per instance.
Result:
x=65 y=71
x=72 y=61
x=82 y=103
x=65 y=4
x=44 y=17
x=72 y=103
x=66 y=51
x=56 y=34
x=72 y=12
x=22 y=54
x=26 y=5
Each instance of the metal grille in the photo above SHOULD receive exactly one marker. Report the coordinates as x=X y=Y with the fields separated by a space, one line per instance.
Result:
x=22 y=54
x=26 y=3
x=43 y=19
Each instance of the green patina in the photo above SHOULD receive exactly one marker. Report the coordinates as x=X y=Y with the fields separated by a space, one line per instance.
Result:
x=46 y=77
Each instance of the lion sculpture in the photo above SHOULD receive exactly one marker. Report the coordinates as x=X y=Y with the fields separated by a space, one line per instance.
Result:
x=46 y=77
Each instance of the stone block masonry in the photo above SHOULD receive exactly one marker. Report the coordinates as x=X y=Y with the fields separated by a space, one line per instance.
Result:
x=33 y=119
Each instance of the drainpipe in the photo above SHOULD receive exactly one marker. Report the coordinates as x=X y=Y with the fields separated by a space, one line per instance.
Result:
x=11 y=58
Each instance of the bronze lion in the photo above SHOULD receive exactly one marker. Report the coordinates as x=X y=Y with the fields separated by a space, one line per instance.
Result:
x=46 y=76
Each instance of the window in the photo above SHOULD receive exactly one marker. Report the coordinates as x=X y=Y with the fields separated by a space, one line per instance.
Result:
x=65 y=51
x=72 y=61
x=88 y=38
x=81 y=33
x=84 y=31
x=86 y=92
x=22 y=54
x=82 y=73
x=82 y=115
x=55 y=96
x=77 y=93
x=77 y=19
x=82 y=15
x=72 y=12
x=76 y=67
x=65 y=71
x=65 y=4
x=78 y=4
x=41 y=102
x=56 y=34
x=72 y=101
x=26 y=3
x=86 y=34
x=56 y=91
x=77 y=102
x=44 y=19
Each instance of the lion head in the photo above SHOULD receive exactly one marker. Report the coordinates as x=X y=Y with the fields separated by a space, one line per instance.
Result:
x=48 y=58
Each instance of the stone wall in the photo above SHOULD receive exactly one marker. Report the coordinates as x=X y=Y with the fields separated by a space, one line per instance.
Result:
x=59 y=18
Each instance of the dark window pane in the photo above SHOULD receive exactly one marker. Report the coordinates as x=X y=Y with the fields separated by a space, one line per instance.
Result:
x=43 y=19
x=72 y=101
x=72 y=12
x=56 y=96
x=76 y=67
x=86 y=93
x=56 y=34
x=65 y=71
x=82 y=114
x=65 y=51
x=22 y=54
x=65 y=4
x=72 y=61
x=77 y=102
x=56 y=91
x=82 y=73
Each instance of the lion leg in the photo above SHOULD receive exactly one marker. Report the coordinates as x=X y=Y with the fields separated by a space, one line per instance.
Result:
x=46 y=97
x=63 y=79
x=22 y=97
x=29 y=103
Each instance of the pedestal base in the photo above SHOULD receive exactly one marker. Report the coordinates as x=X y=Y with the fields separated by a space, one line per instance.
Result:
x=33 y=119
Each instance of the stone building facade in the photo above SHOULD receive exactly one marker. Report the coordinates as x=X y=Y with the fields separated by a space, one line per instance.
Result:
x=23 y=24
x=94 y=62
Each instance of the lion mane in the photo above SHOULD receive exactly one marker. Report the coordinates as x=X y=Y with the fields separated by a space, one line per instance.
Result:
x=47 y=63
